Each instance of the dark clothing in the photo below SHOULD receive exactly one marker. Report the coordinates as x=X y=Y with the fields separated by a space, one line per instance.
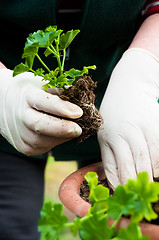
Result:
x=107 y=28
x=21 y=196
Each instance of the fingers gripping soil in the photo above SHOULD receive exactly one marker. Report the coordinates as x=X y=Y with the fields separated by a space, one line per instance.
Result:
x=51 y=126
x=52 y=104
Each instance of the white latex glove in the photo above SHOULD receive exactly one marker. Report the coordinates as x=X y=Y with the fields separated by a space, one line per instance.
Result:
x=24 y=121
x=129 y=138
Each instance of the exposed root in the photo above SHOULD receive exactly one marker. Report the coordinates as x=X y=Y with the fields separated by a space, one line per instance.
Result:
x=81 y=93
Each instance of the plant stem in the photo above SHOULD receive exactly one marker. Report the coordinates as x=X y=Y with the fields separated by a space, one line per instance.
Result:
x=59 y=64
x=117 y=220
x=32 y=70
x=69 y=224
x=63 y=60
x=58 y=56
x=54 y=50
x=45 y=65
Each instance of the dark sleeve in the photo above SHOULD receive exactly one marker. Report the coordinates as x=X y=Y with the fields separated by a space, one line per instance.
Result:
x=150 y=7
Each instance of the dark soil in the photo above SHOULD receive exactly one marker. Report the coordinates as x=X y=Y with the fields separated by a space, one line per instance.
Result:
x=84 y=193
x=84 y=189
x=81 y=93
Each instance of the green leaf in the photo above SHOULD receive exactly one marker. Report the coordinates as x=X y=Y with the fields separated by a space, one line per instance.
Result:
x=95 y=227
x=97 y=192
x=29 y=61
x=75 y=226
x=85 y=69
x=49 y=77
x=31 y=41
x=50 y=234
x=99 y=207
x=120 y=203
x=146 y=193
x=92 y=179
x=29 y=55
x=21 y=68
x=67 y=38
x=56 y=71
x=30 y=52
x=41 y=39
x=52 y=219
x=51 y=84
x=74 y=74
x=47 y=52
x=61 y=80
x=132 y=232
x=100 y=193
x=39 y=72
x=51 y=28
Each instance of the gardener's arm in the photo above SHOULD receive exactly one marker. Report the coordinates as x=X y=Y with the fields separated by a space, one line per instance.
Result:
x=2 y=65
x=129 y=139
x=32 y=120
x=148 y=35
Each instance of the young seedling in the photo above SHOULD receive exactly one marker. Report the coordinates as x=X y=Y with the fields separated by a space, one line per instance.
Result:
x=55 y=43
x=133 y=199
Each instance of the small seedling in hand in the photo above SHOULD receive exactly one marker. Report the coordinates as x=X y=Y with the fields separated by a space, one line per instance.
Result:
x=55 y=43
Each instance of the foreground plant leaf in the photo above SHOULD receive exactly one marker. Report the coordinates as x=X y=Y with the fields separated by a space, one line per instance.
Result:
x=75 y=226
x=131 y=199
x=96 y=227
x=21 y=68
x=52 y=220
x=133 y=232
x=67 y=38
x=146 y=193
x=97 y=192
x=120 y=203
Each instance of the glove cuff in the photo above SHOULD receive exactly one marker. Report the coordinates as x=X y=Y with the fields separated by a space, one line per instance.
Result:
x=142 y=51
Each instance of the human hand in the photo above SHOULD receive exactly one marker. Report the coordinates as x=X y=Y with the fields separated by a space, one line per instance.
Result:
x=32 y=119
x=129 y=138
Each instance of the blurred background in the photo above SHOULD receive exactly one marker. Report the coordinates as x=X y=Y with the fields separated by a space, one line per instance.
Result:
x=55 y=173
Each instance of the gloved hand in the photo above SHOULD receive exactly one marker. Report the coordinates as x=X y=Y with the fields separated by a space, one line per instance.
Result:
x=29 y=115
x=129 y=138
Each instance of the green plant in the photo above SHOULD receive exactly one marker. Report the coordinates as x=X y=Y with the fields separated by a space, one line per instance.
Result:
x=55 y=43
x=78 y=87
x=133 y=199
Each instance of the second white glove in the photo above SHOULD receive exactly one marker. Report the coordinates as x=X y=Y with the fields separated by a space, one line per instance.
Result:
x=129 y=139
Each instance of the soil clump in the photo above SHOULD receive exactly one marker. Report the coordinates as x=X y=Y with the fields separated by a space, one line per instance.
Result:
x=81 y=93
